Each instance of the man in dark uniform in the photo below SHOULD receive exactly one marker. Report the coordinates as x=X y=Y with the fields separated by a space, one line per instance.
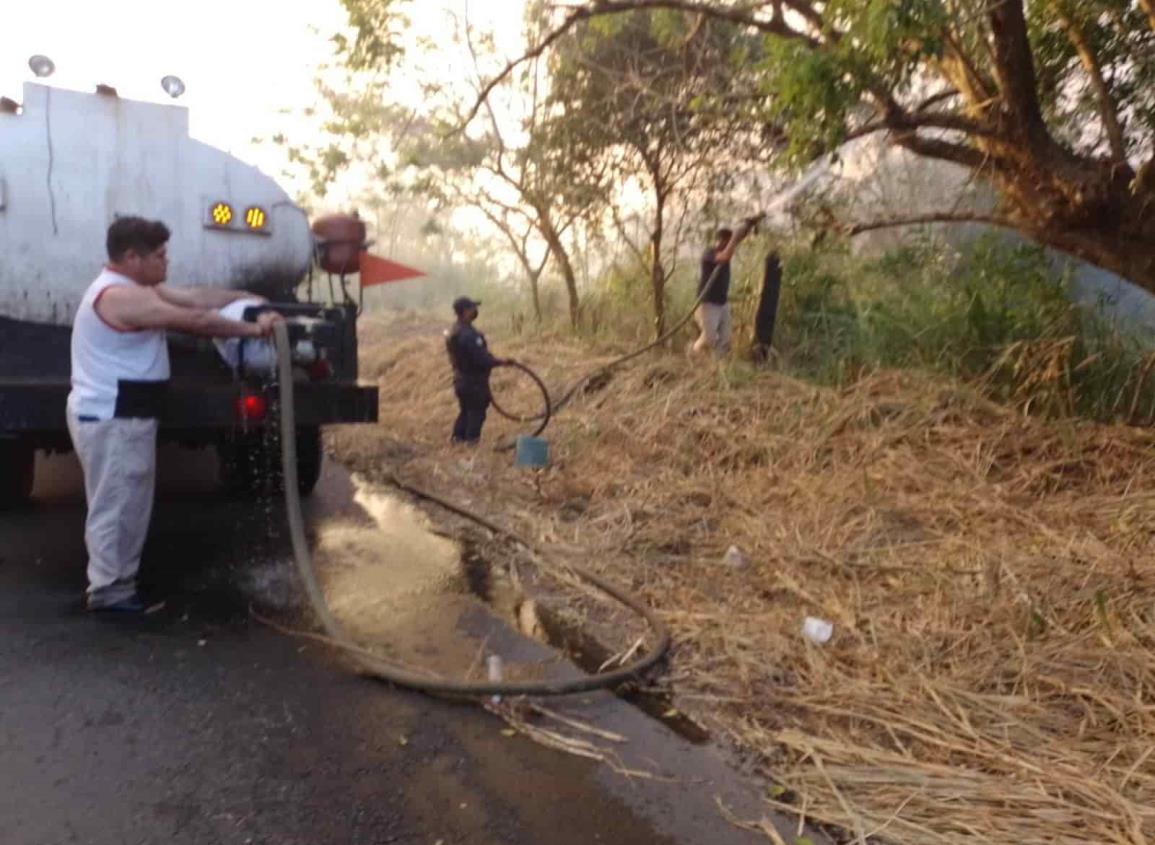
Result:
x=472 y=362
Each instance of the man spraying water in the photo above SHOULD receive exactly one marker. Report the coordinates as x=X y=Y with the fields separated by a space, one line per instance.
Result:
x=713 y=316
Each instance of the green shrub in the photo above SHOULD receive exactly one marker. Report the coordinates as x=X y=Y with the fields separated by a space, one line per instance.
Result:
x=996 y=313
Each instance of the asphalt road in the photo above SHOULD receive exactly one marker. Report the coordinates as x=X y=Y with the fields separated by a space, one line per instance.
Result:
x=203 y=726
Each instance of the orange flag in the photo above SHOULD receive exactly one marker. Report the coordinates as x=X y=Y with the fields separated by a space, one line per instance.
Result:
x=377 y=271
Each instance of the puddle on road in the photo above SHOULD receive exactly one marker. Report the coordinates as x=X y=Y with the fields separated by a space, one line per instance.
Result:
x=432 y=602
x=394 y=582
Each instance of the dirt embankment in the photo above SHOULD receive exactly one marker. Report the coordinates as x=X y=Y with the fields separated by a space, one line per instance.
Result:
x=988 y=576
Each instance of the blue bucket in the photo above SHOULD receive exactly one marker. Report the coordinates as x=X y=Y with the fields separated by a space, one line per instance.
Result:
x=532 y=451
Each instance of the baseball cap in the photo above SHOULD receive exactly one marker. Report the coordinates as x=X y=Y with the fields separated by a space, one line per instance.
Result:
x=464 y=303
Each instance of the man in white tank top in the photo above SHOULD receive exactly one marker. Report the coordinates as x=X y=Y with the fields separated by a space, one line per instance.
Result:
x=119 y=374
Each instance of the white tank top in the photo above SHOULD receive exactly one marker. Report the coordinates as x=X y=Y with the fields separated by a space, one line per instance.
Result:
x=104 y=358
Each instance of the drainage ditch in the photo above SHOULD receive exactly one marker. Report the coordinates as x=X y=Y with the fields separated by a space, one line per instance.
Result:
x=546 y=623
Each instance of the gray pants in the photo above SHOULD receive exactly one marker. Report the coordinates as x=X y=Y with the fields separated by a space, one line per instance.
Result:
x=714 y=321
x=119 y=462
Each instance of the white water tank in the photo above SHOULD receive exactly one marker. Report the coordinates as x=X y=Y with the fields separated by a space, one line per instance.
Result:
x=71 y=162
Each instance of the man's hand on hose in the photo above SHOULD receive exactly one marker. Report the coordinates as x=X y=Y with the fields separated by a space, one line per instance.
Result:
x=263 y=327
x=740 y=235
x=751 y=223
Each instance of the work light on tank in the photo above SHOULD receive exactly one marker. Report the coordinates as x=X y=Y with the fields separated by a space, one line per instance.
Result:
x=221 y=214
x=256 y=218
x=173 y=86
x=42 y=66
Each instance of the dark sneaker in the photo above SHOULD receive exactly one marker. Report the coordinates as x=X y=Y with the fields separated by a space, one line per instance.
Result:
x=133 y=605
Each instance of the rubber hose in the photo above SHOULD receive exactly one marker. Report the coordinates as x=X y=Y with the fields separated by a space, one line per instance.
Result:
x=547 y=403
x=380 y=669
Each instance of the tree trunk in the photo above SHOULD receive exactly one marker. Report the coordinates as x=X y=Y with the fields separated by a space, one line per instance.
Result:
x=1092 y=209
x=533 y=276
x=657 y=269
x=558 y=251
x=1123 y=244
x=1014 y=69
x=535 y=294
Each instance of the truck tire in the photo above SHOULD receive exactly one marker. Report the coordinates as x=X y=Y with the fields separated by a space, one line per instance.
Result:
x=310 y=457
x=241 y=458
x=17 y=473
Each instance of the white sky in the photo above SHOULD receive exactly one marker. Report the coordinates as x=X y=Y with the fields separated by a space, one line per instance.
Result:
x=243 y=61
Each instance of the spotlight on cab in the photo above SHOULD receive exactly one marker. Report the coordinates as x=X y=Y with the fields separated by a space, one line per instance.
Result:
x=173 y=86
x=42 y=66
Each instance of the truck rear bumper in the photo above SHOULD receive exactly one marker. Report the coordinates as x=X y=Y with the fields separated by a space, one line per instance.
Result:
x=35 y=409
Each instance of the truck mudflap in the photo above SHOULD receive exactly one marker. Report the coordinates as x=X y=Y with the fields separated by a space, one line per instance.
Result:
x=36 y=408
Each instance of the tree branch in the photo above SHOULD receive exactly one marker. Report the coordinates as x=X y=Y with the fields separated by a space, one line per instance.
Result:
x=517 y=244
x=536 y=51
x=504 y=206
x=935 y=99
x=867 y=129
x=501 y=148
x=958 y=70
x=971 y=82
x=620 y=225
x=946 y=120
x=1108 y=111
x=944 y=150
x=775 y=25
x=853 y=229
x=541 y=264
x=912 y=121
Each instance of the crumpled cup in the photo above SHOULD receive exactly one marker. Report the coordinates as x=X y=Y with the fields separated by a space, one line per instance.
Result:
x=818 y=631
x=734 y=558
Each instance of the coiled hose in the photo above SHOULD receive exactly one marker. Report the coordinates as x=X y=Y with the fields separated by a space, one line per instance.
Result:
x=544 y=417
x=376 y=667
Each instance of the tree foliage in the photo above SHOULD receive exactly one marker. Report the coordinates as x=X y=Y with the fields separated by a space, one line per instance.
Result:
x=1050 y=101
x=501 y=166
x=650 y=97
x=377 y=26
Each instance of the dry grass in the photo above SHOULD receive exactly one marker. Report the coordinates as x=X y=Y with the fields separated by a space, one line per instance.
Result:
x=991 y=676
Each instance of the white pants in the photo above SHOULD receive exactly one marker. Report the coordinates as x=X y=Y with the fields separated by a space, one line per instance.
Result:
x=119 y=462
x=714 y=321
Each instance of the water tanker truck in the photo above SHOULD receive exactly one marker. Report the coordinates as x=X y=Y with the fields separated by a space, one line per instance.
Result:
x=70 y=164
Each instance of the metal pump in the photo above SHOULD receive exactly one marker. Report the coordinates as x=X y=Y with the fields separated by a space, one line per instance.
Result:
x=314 y=337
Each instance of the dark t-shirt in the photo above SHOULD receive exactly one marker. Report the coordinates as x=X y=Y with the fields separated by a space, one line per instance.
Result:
x=469 y=355
x=719 y=291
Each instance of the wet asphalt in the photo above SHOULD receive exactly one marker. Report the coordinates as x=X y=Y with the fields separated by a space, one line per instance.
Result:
x=202 y=725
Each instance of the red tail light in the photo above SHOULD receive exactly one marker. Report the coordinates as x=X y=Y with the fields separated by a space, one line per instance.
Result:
x=252 y=407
